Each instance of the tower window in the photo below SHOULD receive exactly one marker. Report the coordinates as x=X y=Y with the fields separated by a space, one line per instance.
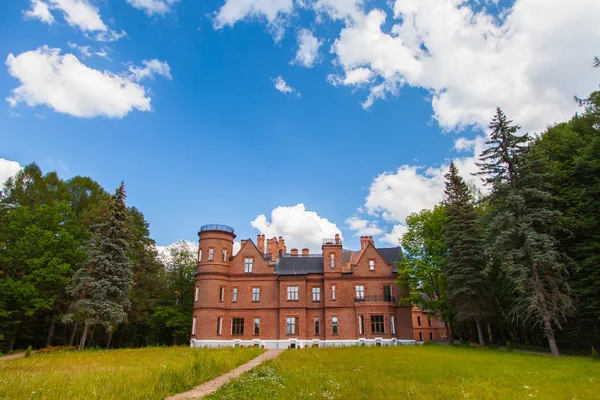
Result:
x=333 y=261
x=194 y=326
x=224 y=255
x=221 y=293
x=196 y=294
x=235 y=292
x=211 y=253
x=248 y=265
x=200 y=255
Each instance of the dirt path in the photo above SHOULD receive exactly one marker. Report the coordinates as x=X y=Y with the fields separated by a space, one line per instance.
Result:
x=12 y=356
x=211 y=386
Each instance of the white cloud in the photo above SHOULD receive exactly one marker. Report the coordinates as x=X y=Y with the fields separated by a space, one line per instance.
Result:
x=84 y=51
x=300 y=228
x=8 y=169
x=282 y=86
x=64 y=84
x=150 y=68
x=78 y=13
x=39 y=10
x=531 y=61
x=308 y=49
x=165 y=255
x=274 y=12
x=151 y=7
x=339 y=9
x=353 y=77
x=363 y=227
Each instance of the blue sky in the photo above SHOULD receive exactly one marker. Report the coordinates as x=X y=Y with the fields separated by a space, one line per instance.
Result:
x=180 y=99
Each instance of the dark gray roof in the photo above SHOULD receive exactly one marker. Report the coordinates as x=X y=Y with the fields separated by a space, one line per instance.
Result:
x=299 y=265
x=391 y=255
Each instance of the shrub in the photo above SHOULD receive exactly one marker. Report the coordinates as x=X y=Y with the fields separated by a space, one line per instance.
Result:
x=50 y=349
x=28 y=351
x=595 y=354
x=509 y=346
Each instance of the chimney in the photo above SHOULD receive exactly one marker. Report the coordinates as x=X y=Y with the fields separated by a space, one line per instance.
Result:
x=282 y=247
x=362 y=242
x=337 y=238
x=305 y=251
x=294 y=252
x=242 y=243
x=371 y=240
x=273 y=248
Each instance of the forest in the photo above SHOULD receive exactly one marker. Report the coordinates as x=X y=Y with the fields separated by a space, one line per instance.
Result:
x=517 y=262
x=78 y=268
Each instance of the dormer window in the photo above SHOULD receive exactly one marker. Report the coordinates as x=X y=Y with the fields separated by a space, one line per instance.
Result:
x=333 y=261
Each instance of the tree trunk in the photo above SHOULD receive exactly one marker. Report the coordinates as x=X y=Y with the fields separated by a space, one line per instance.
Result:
x=449 y=332
x=13 y=339
x=490 y=337
x=110 y=335
x=73 y=332
x=83 y=337
x=550 y=336
x=50 y=335
x=480 y=333
x=91 y=336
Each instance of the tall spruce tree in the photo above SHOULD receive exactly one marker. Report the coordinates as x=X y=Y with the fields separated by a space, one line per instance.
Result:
x=465 y=265
x=101 y=289
x=523 y=230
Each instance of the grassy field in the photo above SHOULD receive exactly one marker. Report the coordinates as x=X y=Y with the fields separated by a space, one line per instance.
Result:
x=149 y=373
x=419 y=372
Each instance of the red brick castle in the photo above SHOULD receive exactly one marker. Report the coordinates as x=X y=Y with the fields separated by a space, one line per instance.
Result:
x=272 y=298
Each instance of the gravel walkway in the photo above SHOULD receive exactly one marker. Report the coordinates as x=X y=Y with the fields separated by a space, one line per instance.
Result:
x=211 y=386
x=13 y=356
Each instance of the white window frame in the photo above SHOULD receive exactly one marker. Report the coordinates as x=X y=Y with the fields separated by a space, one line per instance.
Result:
x=371 y=265
x=292 y=293
x=224 y=255
x=194 y=326
x=360 y=292
x=196 y=294
x=335 y=327
x=290 y=322
x=219 y=326
x=248 y=262
x=256 y=323
x=255 y=294
x=222 y=293
x=332 y=292
x=211 y=253
x=200 y=255
x=392 y=325
x=332 y=261
x=235 y=294
x=316 y=294
x=361 y=324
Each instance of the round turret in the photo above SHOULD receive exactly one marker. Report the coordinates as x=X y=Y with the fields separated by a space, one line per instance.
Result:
x=215 y=246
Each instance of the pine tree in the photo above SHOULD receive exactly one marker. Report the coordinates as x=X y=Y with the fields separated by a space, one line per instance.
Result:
x=523 y=230
x=465 y=269
x=101 y=289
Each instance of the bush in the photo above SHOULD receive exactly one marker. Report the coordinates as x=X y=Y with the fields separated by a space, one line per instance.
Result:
x=595 y=354
x=509 y=346
x=50 y=349
x=28 y=351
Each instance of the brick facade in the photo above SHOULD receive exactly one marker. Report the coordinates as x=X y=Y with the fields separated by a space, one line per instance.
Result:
x=426 y=327
x=296 y=298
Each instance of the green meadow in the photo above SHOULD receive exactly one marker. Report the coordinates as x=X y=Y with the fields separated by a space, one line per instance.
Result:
x=148 y=373
x=416 y=372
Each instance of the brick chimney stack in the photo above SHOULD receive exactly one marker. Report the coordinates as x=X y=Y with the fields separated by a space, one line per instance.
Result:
x=337 y=238
x=363 y=242
x=242 y=243
x=305 y=251
x=294 y=252
x=282 y=247
x=370 y=240
x=260 y=243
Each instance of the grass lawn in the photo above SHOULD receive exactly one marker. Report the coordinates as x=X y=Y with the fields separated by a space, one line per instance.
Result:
x=149 y=373
x=416 y=372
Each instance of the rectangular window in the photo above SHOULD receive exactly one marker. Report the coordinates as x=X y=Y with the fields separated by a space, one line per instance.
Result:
x=224 y=255
x=200 y=255
x=255 y=294
x=377 y=324
x=248 y=265
x=317 y=328
x=387 y=293
x=334 y=325
x=292 y=293
x=196 y=294
x=257 y=326
x=392 y=325
x=219 y=326
x=360 y=292
x=211 y=253
x=333 y=261
x=372 y=265
x=235 y=292
x=194 y=326
x=429 y=321
x=419 y=320
x=430 y=335
x=237 y=326
x=221 y=293
x=420 y=336
x=290 y=326
x=361 y=324
x=316 y=294
x=332 y=292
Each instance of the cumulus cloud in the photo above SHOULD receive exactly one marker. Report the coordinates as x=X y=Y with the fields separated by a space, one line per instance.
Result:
x=165 y=255
x=395 y=235
x=81 y=14
x=300 y=228
x=150 y=68
x=531 y=60
x=39 y=10
x=7 y=169
x=274 y=12
x=308 y=49
x=84 y=51
x=353 y=77
x=363 y=227
x=64 y=84
x=151 y=7
x=282 y=86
